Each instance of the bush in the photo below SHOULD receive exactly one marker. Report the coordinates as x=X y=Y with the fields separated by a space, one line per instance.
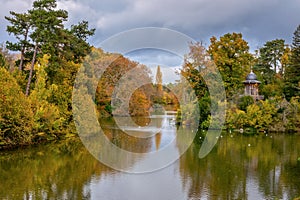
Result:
x=47 y=117
x=16 y=117
x=244 y=102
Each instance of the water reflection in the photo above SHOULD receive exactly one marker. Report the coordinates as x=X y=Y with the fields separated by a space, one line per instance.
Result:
x=239 y=167
x=134 y=153
x=56 y=171
x=132 y=138
x=244 y=168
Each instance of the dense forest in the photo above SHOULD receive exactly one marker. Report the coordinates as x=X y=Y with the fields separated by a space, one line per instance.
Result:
x=38 y=70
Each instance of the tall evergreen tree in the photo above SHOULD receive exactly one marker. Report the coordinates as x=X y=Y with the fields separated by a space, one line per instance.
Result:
x=271 y=64
x=20 y=28
x=47 y=22
x=271 y=54
x=159 y=80
x=292 y=77
x=41 y=31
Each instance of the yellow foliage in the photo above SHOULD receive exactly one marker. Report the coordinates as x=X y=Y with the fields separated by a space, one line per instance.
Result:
x=46 y=115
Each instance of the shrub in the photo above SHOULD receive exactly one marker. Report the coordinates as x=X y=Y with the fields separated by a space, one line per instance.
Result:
x=16 y=117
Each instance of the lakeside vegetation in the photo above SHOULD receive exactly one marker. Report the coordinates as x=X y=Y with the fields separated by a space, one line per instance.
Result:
x=37 y=82
x=277 y=66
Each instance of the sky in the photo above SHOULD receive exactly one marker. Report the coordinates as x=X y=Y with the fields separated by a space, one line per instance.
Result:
x=258 y=20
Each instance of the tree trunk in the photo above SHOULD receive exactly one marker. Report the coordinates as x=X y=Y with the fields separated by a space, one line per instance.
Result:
x=23 y=51
x=31 y=69
x=275 y=66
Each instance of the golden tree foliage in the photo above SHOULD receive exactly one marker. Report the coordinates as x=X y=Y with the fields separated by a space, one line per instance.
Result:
x=47 y=116
x=233 y=60
x=16 y=117
x=111 y=68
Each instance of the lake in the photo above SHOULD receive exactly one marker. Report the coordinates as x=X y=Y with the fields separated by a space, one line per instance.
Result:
x=239 y=167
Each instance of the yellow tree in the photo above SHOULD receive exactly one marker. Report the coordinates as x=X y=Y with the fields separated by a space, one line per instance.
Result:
x=16 y=117
x=47 y=117
x=232 y=58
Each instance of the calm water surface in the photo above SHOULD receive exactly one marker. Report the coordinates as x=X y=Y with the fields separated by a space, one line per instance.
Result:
x=239 y=167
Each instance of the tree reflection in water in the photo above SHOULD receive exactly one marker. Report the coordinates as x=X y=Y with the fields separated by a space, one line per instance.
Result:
x=54 y=171
x=239 y=167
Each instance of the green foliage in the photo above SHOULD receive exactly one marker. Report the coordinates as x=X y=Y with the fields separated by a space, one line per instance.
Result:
x=204 y=107
x=294 y=114
x=270 y=58
x=276 y=88
x=41 y=31
x=3 y=62
x=260 y=116
x=271 y=65
x=61 y=95
x=21 y=78
x=188 y=114
x=235 y=118
x=20 y=28
x=199 y=72
x=53 y=39
x=196 y=67
x=244 y=102
x=275 y=114
x=16 y=117
x=292 y=76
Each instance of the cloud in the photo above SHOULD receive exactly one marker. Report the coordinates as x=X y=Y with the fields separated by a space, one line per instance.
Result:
x=258 y=20
x=163 y=58
x=203 y=18
x=78 y=11
x=168 y=62
x=5 y=8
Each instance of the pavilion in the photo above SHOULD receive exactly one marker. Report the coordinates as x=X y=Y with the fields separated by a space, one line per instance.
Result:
x=251 y=86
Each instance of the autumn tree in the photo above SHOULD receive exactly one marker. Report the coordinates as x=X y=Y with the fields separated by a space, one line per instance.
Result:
x=113 y=68
x=232 y=58
x=50 y=56
x=47 y=117
x=199 y=70
x=16 y=117
x=6 y=59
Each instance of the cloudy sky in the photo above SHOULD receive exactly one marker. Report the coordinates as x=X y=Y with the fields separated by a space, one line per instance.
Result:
x=258 y=20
